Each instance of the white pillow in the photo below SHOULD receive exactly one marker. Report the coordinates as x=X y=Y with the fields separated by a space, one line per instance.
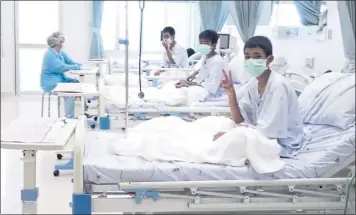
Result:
x=329 y=100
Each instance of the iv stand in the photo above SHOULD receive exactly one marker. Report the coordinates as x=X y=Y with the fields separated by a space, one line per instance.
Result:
x=126 y=66
x=142 y=7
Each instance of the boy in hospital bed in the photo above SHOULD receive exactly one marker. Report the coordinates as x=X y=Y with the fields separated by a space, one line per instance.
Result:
x=209 y=66
x=175 y=55
x=269 y=103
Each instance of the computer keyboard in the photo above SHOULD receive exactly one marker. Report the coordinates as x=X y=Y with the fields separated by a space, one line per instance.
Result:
x=27 y=130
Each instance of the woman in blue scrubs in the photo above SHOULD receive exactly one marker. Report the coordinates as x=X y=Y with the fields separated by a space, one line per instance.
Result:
x=55 y=64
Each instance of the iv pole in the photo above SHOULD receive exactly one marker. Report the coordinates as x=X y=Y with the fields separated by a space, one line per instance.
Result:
x=142 y=7
x=126 y=66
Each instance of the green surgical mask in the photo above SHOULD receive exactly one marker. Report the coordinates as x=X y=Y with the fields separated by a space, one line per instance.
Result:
x=255 y=67
x=204 y=49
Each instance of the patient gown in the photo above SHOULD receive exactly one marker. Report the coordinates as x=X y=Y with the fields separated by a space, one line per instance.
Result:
x=275 y=114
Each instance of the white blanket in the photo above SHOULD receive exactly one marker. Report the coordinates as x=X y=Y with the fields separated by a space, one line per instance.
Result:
x=169 y=95
x=119 y=79
x=171 y=138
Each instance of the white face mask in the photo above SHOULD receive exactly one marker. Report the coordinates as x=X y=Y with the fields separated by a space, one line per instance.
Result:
x=168 y=41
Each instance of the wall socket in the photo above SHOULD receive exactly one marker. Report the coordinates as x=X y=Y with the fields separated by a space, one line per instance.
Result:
x=309 y=62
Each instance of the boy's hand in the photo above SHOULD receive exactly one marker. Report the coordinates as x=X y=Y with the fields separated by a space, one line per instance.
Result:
x=226 y=83
x=218 y=135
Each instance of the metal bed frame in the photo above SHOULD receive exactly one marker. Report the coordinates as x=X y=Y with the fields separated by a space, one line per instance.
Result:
x=328 y=195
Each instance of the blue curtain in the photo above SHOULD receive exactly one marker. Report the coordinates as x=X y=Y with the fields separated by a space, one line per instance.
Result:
x=97 y=49
x=213 y=14
x=308 y=11
x=246 y=15
x=347 y=24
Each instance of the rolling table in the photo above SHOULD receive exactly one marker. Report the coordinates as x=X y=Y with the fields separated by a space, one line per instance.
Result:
x=31 y=135
x=85 y=73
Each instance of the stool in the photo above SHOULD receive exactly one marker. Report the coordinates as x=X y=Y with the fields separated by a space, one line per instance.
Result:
x=49 y=104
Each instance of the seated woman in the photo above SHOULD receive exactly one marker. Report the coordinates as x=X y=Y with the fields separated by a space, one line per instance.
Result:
x=209 y=66
x=55 y=63
x=269 y=103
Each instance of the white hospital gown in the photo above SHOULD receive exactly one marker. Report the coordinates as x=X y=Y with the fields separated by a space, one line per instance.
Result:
x=210 y=73
x=179 y=55
x=275 y=113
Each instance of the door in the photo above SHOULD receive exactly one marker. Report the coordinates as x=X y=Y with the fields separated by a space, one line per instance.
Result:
x=35 y=21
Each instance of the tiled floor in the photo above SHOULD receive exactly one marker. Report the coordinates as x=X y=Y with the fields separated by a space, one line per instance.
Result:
x=55 y=192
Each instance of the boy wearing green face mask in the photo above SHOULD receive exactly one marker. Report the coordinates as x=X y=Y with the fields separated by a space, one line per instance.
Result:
x=209 y=66
x=269 y=103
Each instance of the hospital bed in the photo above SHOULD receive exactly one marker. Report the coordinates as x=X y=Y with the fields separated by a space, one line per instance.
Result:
x=105 y=183
x=31 y=135
x=141 y=109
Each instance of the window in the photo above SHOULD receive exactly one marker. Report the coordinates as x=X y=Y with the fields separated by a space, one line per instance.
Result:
x=285 y=14
x=37 y=20
x=30 y=67
x=183 y=16
x=109 y=29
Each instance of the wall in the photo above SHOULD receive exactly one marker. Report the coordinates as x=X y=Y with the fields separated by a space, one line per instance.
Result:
x=8 y=43
x=328 y=54
x=76 y=18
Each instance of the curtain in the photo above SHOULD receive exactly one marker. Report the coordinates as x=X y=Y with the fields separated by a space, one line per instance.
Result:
x=213 y=14
x=246 y=15
x=97 y=49
x=308 y=11
x=347 y=23
x=351 y=8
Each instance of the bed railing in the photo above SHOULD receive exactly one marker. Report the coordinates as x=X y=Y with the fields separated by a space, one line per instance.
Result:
x=78 y=153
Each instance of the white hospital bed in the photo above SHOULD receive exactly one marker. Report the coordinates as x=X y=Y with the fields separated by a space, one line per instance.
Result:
x=139 y=110
x=104 y=183
x=32 y=135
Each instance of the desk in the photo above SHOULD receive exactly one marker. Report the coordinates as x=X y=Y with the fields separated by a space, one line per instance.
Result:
x=60 y=133
x=84 y=73
x=80 y=91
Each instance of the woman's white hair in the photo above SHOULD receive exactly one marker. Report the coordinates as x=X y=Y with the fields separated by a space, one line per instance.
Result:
x=56 y=38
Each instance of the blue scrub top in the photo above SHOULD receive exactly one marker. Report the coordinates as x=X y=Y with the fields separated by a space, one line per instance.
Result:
x=54 y=66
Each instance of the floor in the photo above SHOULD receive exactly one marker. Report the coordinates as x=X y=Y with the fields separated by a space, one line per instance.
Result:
x=55 y=192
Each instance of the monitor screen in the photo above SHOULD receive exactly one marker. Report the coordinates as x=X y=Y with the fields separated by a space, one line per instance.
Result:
x=224 y=41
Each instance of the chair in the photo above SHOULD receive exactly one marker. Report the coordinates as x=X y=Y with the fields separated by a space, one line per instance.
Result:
x=49 y=104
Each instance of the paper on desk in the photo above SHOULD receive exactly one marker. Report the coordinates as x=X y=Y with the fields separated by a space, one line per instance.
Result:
x=68 y=88
x=28 y=130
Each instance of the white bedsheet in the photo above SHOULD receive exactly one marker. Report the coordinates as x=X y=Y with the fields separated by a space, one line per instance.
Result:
x=119 y=79
x=177 y=140
x=169 y=95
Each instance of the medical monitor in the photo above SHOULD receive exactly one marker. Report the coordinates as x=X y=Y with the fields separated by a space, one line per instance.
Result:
x=224 y=41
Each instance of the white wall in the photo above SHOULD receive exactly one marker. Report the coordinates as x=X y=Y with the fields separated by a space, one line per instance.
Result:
x=76 y=18
x=328 y=54
x=8 y=42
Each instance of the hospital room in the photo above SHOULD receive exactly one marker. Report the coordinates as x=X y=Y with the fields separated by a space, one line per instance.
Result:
x=178 y=107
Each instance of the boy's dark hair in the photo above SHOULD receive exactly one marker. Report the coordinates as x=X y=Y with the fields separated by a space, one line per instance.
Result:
x=190 y=52
x=209 y=35
x=260 y=42
x=169 y=30
x=328 y=71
